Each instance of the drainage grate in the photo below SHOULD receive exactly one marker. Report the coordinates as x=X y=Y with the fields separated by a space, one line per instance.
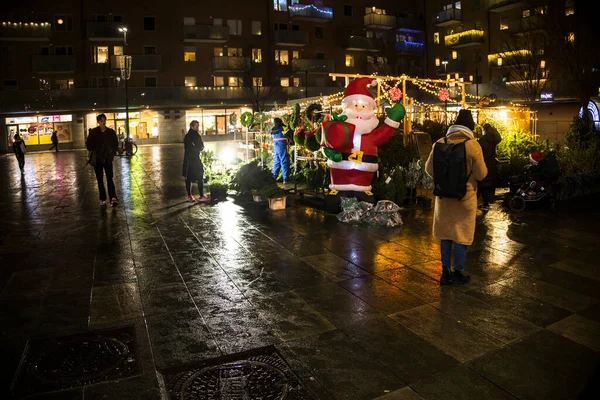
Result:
x=260 y=374
x=51 y=364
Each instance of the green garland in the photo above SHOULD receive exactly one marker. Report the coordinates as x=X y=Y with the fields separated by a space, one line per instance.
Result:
x=246 y=119
x=233 y=119
x=295 y=118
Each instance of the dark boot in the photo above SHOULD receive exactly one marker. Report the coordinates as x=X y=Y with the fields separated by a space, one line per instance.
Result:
x=447 y=277
x=460 y=279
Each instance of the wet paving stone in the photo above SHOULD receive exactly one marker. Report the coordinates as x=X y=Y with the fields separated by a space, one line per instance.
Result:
x=405 y=393
x=415 y=283
x=115 y=303
x=59 y=363
x=579 y=329
x=259 y=374
x=334 y=267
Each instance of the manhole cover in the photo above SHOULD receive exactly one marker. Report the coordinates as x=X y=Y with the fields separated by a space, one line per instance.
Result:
x=262 y=374
x=51 y=364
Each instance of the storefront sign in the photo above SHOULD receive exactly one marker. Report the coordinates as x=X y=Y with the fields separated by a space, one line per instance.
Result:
x=21 y=120
x=31 y=129
x=546 y=96
x=45 y=119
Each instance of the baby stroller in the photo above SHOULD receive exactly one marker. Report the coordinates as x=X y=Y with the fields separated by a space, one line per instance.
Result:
x=535 y=185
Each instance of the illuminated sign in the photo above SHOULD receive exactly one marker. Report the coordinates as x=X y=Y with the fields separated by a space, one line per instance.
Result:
x=547 y=96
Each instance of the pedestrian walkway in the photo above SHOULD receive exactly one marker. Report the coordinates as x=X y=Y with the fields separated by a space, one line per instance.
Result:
x=137 y=301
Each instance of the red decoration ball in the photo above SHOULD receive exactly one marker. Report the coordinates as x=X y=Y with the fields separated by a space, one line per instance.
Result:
x=395 y=94
x=443 y=95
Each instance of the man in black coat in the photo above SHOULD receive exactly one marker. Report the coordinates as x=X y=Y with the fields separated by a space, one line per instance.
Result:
x=103 y=142
x=487 y=187
x=54 y=139
x=193 y=170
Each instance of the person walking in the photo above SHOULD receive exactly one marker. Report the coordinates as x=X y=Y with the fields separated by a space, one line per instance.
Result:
x=193 y=170
x=20 y=148
x=487 y=187
x=454 y=217
x=281 y=160
x=54 y=139
x=102 y=141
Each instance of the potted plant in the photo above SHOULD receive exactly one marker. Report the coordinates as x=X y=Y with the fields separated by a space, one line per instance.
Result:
x=276 y=196
x=219 y=183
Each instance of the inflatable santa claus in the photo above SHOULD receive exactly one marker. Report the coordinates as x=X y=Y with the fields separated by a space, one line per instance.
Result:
x=350 y=142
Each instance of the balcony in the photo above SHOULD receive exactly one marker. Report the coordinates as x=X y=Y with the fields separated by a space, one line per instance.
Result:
x=406 y=47
x=104 y=30
x=362 y=43
x=525 y=25
x=18 y=31
x=448 y=17
x=452 y=67
x=313 y=66
x=407 y=24
x=140 y=62
x=470 y=38
x=310 y=12
x=224 y=63
x=291 y=38
x=380 y=21
x=498 y=6
x=52 y=64
x=205 y=33
x=509 y=59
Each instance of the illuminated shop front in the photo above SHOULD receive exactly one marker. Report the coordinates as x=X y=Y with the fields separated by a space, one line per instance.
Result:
x=143 y=125
x=217 y=122
x=37 y=130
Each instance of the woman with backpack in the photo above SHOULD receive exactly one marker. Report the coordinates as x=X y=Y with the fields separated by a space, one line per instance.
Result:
x=456 y=164
x=487 y=187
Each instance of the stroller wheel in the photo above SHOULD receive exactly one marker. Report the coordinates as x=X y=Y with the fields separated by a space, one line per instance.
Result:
x=517 y=204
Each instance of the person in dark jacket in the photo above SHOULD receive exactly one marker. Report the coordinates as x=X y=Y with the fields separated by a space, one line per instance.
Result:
x=281 y=159
x=103 y=141
x=193 y=170
x=487 y=187
x=19 y=147
x=54 y=139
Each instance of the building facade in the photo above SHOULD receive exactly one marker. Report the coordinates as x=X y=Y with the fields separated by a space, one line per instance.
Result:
x=63 y=62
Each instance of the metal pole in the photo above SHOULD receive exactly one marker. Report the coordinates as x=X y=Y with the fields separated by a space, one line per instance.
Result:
x=306 y=83
x=405 y=103
x=463 y=99
x=477 y=82
x=126 y=87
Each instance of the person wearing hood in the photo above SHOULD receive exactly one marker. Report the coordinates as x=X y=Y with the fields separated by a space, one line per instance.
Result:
x=487 y=187
x=281 y=160
x=19 y=148
x=454 y=219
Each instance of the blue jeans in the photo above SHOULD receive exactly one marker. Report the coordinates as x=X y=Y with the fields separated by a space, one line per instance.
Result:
x=460 y=253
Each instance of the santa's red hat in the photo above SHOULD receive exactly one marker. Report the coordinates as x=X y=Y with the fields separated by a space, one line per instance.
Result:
x=535 y=157
x=358 y=89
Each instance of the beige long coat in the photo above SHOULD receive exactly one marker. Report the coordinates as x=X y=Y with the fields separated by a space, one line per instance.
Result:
x=455 y=219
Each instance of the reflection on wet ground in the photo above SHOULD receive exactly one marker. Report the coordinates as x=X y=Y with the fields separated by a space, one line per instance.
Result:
x=356 y=312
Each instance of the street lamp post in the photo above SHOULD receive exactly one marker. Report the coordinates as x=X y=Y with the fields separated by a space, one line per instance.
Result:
x=124 y=31
x=306 y=83
x=446 y=101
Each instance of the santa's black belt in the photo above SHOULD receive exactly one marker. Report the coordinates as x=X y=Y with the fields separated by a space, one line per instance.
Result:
x=365 y=158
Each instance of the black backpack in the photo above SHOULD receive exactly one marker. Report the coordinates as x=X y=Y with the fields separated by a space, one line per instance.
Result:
x=450 y=169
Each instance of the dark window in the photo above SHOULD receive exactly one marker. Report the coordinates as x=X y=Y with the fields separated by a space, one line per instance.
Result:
x=475 y=4
x=63 y=50
x=347 y=10
x=319 y=32
x=320 y=55
x=295 y=27
x=149 y=23
x=100 y=82
x=149 y=50
x=117 y=18
x=283 y=27
x=101 y=18
x=45 y=50
x=150 y=81
x=10 y=84
x=63 y=23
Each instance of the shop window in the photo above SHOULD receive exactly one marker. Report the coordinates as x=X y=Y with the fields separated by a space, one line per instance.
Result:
x=284 y=82
x=296 y=82
x=149 y=50
x=256 y=28
x=257 y=81
x=100 y=54
x=218 y=52
x=349 y=60
x=11 y=84
x=280 y=5
x=219 y=81
x=503 y=23
x=118 y=50
x=295 y=55
x=189 y=54
x=189 y=21
x=319 y=55
x=234 y=81
x=282 y=57
x=150 y=81
x=149 y=23
x=235 y=26
x=319 y=34
x=63 y=23
x=190 y=81
x=347 y=10
x=436 y=38
x=63 y=50
x=257 y=55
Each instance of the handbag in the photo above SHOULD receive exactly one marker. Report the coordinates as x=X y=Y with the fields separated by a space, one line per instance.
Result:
x=92 y=158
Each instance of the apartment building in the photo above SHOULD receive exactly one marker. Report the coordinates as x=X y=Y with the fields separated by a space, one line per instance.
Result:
x=61 y=62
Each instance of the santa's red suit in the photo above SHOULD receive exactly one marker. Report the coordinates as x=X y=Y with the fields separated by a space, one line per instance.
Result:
x=356 y=170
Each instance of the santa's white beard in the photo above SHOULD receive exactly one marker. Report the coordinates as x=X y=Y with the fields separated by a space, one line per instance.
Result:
x=364 y=123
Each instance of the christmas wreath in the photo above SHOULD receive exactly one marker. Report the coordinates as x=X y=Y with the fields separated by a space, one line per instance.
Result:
x=246 y=119
x=233 y=119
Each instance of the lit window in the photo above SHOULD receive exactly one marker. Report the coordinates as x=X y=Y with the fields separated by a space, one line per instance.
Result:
x=235 y=26
x=100 y=54
x=349 y=60
x=285 y=82
x=436 y=38
x=381 y=60
x=233 y=81
x=234 y=52
x=189 y=54
x=295 y=55
x=370 y=59
x=543 y=64
x=256 y=28
x=437 y=62
x=503 y=23
x=219 y=81
x=257 y=55
x=280 y=5
x=454 y=54
x=369 y=34
x=282 y=57
x=218 y=52
x=190 y=81
x=570 y=8
x=296 y=82
x=457 y=5
x=541 y=10
x=257 y=81
x=526 y=13
x=118 y=50
x=571 y=37
x=499 y=61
